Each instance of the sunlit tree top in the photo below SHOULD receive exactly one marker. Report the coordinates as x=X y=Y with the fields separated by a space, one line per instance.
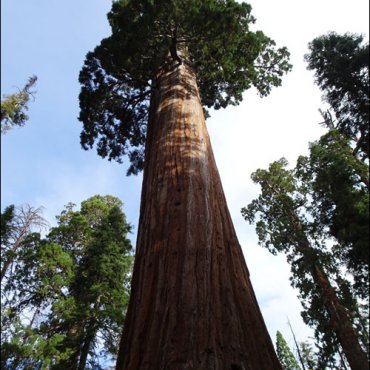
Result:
x=213 y=36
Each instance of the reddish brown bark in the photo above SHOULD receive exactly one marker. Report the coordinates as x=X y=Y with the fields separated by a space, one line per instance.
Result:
x=192 y=305
x=341 y=323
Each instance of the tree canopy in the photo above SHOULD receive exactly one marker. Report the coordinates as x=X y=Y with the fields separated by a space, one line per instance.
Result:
x=338 y=184
x=318 y=212
x=63 y=305
x=119 y=75
x=17 y=223
x=341 y=65
x=338 y=165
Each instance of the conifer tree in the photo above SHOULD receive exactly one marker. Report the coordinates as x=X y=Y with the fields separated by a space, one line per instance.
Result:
x=69 y=290
x=341 y=64
x=338 y=165
x=285 y=355
x=340 y=201
x=308 y=356
x=144 y=88
x=16 y=224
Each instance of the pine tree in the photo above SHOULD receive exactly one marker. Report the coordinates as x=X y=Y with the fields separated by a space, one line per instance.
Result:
x=99 y=288
x=69 y=290
x=285 y=355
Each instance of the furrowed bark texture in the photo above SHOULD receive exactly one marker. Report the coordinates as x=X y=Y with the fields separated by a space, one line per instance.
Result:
x=192 y=305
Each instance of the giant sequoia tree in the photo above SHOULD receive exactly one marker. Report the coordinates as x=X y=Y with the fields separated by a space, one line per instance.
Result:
x=143 y=92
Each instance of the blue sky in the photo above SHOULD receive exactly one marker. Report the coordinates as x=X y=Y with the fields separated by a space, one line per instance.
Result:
x=43 y=164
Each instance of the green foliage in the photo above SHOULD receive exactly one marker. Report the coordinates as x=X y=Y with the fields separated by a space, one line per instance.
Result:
x=341 y=65
x=28 y=349
x=340 y=200
x=119 y=75
x=73 y=286
x=285 y=355
x=14 y=107
x=16 y=225
x=318 y=213
x=338 y=167
x=308 y=357
x=287 y=223
x=6 y=224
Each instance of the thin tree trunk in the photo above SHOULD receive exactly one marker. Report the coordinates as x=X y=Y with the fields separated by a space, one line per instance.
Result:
x=297 y=346
x=342 y=360
x=89 y=336
x=192 y=305
x=341 y=323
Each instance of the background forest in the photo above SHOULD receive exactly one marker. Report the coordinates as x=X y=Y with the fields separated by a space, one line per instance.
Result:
x=69 y=302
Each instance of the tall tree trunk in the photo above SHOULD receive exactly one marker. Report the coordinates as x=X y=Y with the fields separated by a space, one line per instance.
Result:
x=192 y=305
x=297 y=347
x=341 y=323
